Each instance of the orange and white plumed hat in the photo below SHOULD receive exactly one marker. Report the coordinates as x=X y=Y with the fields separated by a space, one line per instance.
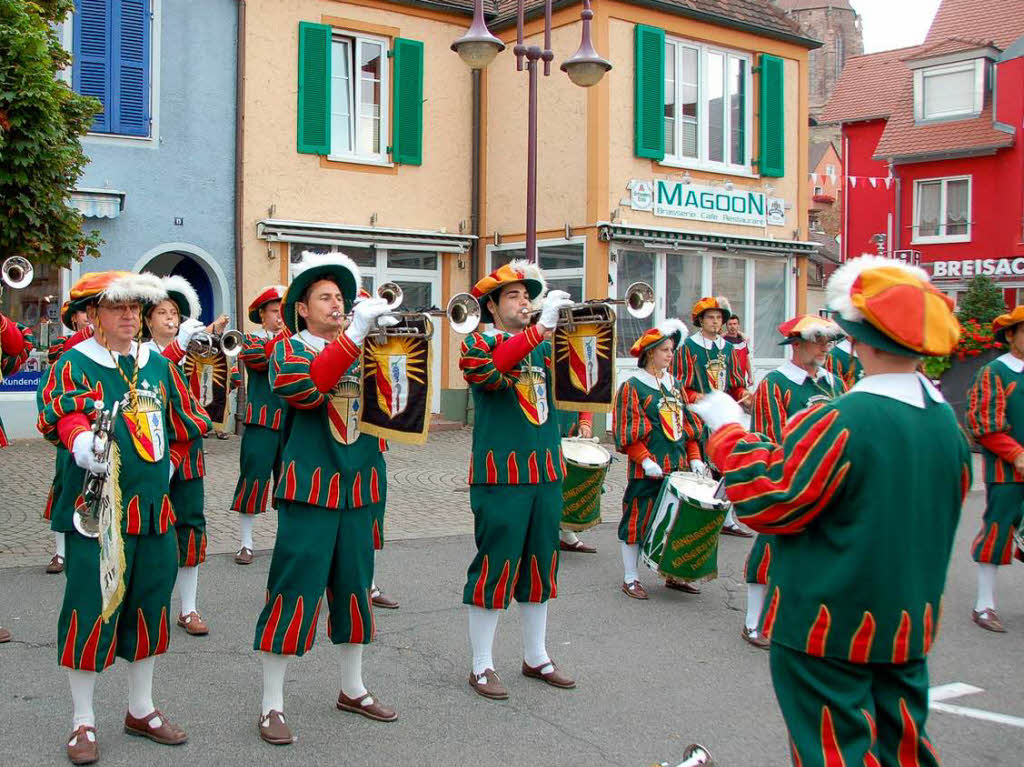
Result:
x=892 y=306
x=181 y=292
x=670 y=328
x=518 y=270
x=117 y=286
x=314 y=267
x=809 y=327
x=268 y=294
x=711 y=302
x=1004 y=322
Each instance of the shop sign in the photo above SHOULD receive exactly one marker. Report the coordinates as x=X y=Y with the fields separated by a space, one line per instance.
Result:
x=24 y=380
x=967 y=268
x=711 y=204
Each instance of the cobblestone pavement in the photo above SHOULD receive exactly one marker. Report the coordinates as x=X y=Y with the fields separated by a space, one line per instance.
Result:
x=427 y=495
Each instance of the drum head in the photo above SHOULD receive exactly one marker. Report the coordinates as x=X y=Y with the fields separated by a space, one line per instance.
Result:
x=696 y=488
x=583 y=452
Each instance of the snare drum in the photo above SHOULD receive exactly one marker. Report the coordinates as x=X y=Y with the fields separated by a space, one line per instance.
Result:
x=586 y=464
x=682 y=538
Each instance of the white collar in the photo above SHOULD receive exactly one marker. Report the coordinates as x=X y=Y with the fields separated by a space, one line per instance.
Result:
x=316 y=343
x=104 y=357
x=261 y=332
x=699 y=339
x=1014 y=363
x=666 y=381
x=845 y=346
x=798 y=375
x=902 y=387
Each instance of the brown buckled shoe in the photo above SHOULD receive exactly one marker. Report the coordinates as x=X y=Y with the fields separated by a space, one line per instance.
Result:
x=5 y=635
x=754 y=637
x=488 y=684
x=166 y=734
x=243 y=556
x=736 y=531
x=82 y=750
x=273 y=730
x=56 y=565
x=635 y=589
x=578 y=546
x=555 y=677
x=193 y=624
x=375 y=710
x=382 y=600
x=686 y=588
x=988 y=619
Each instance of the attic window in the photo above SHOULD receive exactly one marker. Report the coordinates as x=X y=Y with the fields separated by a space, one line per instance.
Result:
x=949 y=91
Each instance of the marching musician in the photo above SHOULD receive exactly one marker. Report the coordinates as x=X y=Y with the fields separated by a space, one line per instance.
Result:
x=706 y=362
x=74 y=318
x=659 y=436
x=843 y=362
x=260 y=453
x=798 y=383
x=854 y=609
x=172 y=323
x=515 y=472
x=157 y=418
x=16 y=343
x=574 y=424
x=332 y=476
x=740 y=348
x=995 y=416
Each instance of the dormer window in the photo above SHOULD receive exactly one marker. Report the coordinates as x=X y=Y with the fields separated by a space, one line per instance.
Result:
x=949 y=91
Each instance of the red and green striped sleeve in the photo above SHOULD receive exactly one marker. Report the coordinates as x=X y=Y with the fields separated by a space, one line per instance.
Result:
x=254 y=353
x=631 y=425
x=681 y=369
x=290 y=376
x=66 y=391
x=783 y=488
x=770 y=410
x=55 y=349
x=187 y=419
x=10 y=363
x=986 y=405
x=477 y=363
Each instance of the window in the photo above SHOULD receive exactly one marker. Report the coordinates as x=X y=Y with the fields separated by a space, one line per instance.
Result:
x=819 y=190
x=830 y=171
x=840 y=55
x=111 y=53
x=707 y=107
x=953 y=90
x=561 y=261
x=942 y=210
x=359 y=98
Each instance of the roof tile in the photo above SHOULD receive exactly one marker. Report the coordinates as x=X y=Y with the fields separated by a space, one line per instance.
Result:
x=1001 y=21
x=863 y=91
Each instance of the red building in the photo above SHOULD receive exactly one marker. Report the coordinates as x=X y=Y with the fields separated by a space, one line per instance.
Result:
x=933 y=163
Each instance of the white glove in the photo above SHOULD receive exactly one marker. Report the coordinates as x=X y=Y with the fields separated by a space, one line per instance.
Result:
x=697 y=466
x=652 y=469
x=171 y=471
x=549 y=309
x=187 y=329
x=81 y=449
x=717 y=409
x=364 y=318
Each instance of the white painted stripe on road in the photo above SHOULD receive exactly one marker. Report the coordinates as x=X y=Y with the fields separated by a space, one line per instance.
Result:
x=957 y=689
x=951 y=690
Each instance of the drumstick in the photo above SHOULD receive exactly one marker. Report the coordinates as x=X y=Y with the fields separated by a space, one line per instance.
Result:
x=720 y=490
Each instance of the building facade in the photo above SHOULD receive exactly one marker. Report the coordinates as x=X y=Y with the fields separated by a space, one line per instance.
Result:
x=933 y=163
x=159 y=186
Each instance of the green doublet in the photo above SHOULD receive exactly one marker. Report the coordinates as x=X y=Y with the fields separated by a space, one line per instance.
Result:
x=844 y=505
x=843 y=363
x=701 y=366
x=516 y=436
x=263 y=407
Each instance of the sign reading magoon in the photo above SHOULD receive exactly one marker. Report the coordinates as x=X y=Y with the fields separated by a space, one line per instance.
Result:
x=712 y=204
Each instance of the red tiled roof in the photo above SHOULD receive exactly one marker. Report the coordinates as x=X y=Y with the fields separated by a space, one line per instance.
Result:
x=864 y=90
x=804 y=5
x=1001 y=21
x=943 y=47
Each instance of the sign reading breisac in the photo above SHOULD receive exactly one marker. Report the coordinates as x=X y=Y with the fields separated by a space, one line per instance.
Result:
x=712 y=204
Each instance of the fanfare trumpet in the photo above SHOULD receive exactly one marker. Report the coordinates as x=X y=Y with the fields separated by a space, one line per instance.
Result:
x=638 y=300
x=463 y=312
x=229 y=343
x=16 y=272
x=87 y=522
x=694 y=755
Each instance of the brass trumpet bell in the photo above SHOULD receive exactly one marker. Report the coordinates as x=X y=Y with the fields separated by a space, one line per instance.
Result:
x=392 y=293
x=463 y=313
x=639 y=300
x=229 y=343
x=16 y=272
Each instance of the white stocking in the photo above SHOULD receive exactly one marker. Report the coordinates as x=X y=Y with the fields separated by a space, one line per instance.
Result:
x=140 y=689
x=535 y=625
x=730 y=519
x=755 y=603
x=188 y=587
x=245 y=525
x=352 y=672
x=58 y=540
x=630 y=554
x=82 y=685
x=568 y=537
x=483 y=624
x=986 y=587
x=274 y=667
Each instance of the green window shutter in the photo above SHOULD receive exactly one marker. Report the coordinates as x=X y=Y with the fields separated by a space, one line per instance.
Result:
x=773 y=113
x=407 y=103
x=314 y=129
x=649 y=92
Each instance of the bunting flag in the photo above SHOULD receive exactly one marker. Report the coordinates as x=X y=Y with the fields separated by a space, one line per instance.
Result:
x=583 y=369
x=397 y=385
x=833 y=177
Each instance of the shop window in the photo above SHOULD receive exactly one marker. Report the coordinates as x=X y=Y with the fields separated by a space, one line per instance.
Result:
x=37 y=306
x=942 y=210
x=378 y=265
x=769 y=307
x=729 y=279
x=561 y=262
x=948 y=91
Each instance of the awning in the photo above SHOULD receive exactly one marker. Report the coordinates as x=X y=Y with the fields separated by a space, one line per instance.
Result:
x=678 y=238
x=98 y=203
x=315 y=233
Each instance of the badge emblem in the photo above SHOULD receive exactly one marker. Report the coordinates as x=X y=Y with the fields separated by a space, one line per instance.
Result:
x=670 y=410
x=145 y=421
x=716 y=373
x=532 y=393
x=343 y=410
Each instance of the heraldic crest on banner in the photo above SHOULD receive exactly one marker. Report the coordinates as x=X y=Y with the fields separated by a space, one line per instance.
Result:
x=210 y=375
x=584 y=368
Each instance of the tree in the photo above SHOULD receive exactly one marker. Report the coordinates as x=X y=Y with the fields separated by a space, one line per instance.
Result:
x=41 y=119
x=983 y=301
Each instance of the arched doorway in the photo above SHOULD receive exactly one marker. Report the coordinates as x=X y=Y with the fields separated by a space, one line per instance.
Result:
x=196 y=266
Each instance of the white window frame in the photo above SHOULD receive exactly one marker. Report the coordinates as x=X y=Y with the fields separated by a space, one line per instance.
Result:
x=549 y=274
x=701 y=162
x=942 y=237
x=152 y=141
x=356 y=40
x=977 y=65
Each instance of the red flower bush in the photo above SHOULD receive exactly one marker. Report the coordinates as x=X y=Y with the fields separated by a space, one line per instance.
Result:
x=975 y=339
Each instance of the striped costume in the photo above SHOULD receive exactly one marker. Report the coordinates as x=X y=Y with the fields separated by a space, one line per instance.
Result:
x=701 y=365
x=842 y=362
x=16 y=342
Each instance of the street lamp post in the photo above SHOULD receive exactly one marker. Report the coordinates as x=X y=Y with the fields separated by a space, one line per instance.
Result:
x=585 y=68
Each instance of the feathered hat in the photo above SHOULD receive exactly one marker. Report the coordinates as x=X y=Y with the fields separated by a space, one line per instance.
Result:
x=266 y=296
x=116 y=286
x=892 y=306
x=518 y=270
x=314 y=267
x=670 y=328
x=181 y=292
x=809 y=327
x=711 y=302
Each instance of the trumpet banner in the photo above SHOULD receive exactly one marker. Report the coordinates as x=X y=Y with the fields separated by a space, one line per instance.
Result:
x=112 y=563
x=584 y=367
x=209 y=379
x=397 y=388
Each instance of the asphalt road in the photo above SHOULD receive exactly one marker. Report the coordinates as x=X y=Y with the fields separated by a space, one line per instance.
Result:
x=653 y=676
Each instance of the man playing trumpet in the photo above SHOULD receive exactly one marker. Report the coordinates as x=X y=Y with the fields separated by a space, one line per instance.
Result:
x=157 y=418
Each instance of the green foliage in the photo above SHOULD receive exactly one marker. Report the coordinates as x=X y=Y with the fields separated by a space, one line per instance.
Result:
x=935 y=367
x=41 y=119
x=983 y=301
